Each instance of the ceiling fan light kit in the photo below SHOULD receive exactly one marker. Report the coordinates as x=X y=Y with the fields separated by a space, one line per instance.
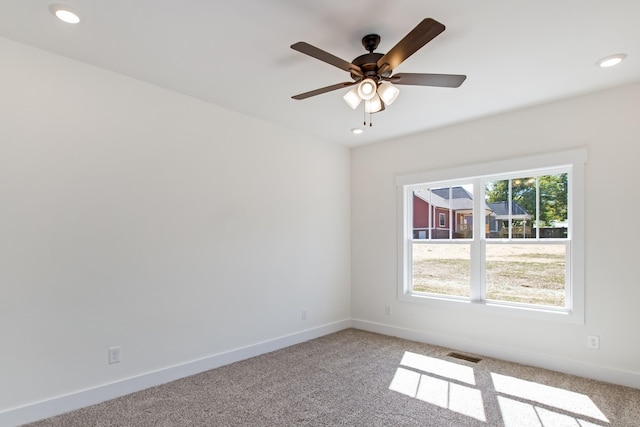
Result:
x=352 y=98
x=373 y=105
x=388 y=92
x=372 y=72
x=367 y=89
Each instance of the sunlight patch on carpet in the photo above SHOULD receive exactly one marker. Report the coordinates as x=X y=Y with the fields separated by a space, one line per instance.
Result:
x=521 y=403
x=438 y=382
x=551 y=397
x=516 y=413
x=439 y=367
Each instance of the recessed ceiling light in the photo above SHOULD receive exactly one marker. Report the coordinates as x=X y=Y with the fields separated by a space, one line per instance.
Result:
x=64 y=14
x=611 y=60
x=357 y=131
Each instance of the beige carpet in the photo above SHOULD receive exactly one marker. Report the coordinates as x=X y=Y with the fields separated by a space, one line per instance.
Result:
x=356 y=378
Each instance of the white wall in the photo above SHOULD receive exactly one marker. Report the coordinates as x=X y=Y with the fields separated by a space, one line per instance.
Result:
x=136 y=217
x=607 y=124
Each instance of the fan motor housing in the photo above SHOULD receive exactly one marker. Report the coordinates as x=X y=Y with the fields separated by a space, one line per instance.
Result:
x=368 y=63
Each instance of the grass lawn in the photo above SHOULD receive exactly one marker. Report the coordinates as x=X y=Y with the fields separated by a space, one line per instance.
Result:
x=532 y=274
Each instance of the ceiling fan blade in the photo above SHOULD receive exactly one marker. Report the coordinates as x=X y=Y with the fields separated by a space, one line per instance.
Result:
x=322 y=90
x=323 y=56
x=419 y=79
x=422 y=34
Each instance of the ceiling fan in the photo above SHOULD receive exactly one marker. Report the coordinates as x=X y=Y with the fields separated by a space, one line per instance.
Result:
x=372 y=72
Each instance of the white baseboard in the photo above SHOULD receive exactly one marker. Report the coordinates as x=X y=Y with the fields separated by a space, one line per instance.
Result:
x=573 y=367
x=82 y=398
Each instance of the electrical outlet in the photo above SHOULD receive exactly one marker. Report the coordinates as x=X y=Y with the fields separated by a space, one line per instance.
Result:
x=305 y=314
x=387 y=310
x=593 y=341
x=114 y=355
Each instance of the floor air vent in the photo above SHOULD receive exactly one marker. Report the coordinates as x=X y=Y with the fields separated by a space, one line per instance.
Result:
x=464 y=357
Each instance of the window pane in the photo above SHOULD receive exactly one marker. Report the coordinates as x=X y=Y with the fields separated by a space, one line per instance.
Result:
x=462 y=211
x=553 y=206
x=497 y=208
x=443 y=212
x=529 y=274
x=511 y=220
x=440 y=211
x=523 y=207
x=443 y=269
x=421 y=214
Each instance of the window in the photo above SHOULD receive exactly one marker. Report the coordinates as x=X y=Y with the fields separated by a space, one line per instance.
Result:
x=509 y=236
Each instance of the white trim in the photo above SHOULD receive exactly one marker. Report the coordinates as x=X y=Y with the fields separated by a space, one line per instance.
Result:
x=573 y=367
x=94 y=395
x=507 y=166
x=497 y=308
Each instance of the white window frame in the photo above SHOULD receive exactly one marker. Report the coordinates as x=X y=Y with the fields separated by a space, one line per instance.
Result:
x=574 y=160
x=442 y=220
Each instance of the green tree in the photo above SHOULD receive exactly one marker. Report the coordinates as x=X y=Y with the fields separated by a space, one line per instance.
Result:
x=553 y=195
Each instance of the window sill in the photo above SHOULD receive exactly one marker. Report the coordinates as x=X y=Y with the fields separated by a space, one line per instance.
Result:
x=495 y=308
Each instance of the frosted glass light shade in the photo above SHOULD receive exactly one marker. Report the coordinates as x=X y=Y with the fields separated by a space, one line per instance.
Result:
x=388 y=93
x=352 y=98
x=367 y=89
x=373 y=105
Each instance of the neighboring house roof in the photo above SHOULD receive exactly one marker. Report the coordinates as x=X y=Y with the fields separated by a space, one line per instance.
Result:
x=457 y=193
x=436 y=200
x=501 y=210
x=462 y=204
x=462 y=200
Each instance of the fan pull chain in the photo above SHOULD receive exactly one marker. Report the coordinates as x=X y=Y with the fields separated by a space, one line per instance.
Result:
x=364 y=115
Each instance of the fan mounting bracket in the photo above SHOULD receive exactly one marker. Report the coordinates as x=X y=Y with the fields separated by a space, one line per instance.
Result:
x=371 y=42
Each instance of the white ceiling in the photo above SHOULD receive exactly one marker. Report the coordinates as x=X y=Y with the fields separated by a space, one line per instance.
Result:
x=236 y=54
